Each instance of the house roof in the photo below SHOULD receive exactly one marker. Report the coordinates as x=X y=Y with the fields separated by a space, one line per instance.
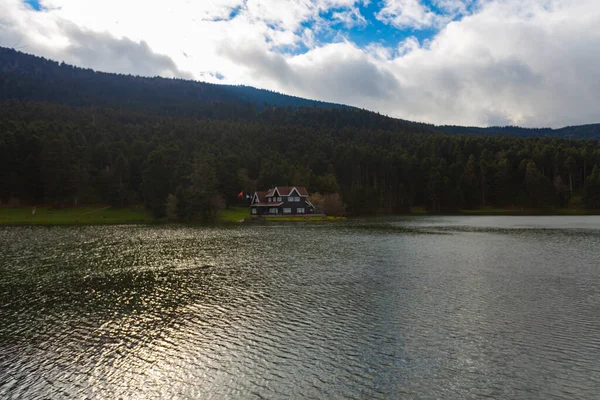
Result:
x=286 y=190
x=261 y=196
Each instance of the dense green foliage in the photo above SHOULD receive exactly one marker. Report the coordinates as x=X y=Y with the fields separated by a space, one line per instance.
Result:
x=70 y=136
x=58 y=154
x=591 y=131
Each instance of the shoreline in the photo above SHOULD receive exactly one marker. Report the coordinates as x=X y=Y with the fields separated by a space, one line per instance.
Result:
x=103 y=215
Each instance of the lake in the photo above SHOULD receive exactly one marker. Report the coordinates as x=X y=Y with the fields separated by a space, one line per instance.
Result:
x=405 y=307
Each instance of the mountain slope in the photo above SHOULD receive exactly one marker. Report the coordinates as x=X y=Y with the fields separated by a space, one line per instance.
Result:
x=32 y=78
x=29 y=78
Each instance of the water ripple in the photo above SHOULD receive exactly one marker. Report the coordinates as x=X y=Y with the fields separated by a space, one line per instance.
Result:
x=441 y=307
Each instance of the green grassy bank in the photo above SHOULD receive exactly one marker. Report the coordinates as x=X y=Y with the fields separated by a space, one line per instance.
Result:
x=238 y=214
x=88 y=215
x=234 y=214
x=98 y=215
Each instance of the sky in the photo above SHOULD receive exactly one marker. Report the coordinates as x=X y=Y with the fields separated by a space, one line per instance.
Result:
x=533 y=63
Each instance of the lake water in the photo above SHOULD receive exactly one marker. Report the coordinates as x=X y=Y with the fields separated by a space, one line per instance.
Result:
x=427 y=307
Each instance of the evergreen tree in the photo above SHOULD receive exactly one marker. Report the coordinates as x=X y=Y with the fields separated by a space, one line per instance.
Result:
x=156 y=181
x=540 y=190
x=120 y=181
x=592 y=189
x=202 y=198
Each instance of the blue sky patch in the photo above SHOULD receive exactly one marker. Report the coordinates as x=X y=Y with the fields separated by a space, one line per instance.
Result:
x=35 y=4
x=374 y=31
x=387 y=35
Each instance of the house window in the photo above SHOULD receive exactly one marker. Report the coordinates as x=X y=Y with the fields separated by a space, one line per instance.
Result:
x=254 y=211
x=270 y=199
x=279 y=199
x=273 y=211
x=287 y=210
x=297 y=199
x=300 y=210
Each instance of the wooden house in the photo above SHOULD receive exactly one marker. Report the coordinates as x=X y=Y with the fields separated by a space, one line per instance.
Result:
x=282 y=200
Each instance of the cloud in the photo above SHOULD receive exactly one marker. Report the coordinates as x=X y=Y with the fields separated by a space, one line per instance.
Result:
x=408 y=14
x=83 y=47
x=336 y=72
x=350 y=18
x=525 y=62
x=106 y=53
x=419 y=14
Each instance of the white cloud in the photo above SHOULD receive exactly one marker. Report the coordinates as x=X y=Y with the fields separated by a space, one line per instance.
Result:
x=527 y=62
x=63 y=40
x=416 y=14
x=338 y=72
x=408 y=45
x=350 y=18
x=197 y=28
x=408 y=14
x=522 y=62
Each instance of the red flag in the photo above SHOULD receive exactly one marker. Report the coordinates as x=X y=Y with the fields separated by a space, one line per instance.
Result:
x=240 y=194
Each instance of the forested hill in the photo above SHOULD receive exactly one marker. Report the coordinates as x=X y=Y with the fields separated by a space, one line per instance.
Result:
x=30 y=78
x=70 y=136
x=57 y=154
x=27 y=77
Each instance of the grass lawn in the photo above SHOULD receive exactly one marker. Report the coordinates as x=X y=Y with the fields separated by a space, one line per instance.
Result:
x=238 y=214
x=234 y=214
x=96 y=215
x=89 y=215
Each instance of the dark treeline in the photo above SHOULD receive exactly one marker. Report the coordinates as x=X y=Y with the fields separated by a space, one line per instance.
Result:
x=57 y=154
x=591 y=131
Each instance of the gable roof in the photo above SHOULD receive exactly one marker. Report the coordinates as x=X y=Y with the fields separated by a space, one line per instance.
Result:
x=259 y=197
x=287 y=190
